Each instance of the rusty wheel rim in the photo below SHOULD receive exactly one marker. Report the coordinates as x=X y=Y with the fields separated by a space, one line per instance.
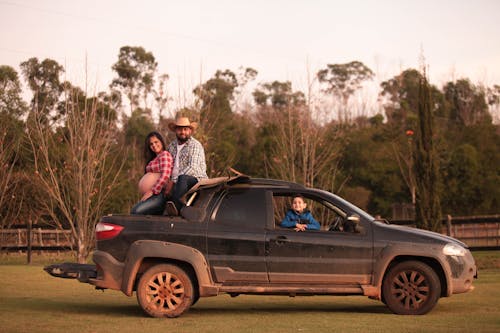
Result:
x=165 y=292
x=410 y=289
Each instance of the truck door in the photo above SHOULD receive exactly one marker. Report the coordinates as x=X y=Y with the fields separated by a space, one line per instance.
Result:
x=236 y=237
x=319 y=256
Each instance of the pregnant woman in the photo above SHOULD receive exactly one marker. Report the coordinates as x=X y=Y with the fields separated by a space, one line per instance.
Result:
x=155 y=184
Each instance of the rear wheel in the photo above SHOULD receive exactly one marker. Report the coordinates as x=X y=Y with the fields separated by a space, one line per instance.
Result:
x=165 y=291
x=411 y=288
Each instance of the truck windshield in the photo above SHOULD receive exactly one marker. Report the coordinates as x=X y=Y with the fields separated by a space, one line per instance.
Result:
x=348 y=206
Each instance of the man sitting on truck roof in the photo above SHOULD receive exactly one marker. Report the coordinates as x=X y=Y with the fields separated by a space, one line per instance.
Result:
x=189 y=161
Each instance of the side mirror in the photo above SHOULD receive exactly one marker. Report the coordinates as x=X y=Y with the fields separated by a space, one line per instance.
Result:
x=353 y=218
x=352 y=224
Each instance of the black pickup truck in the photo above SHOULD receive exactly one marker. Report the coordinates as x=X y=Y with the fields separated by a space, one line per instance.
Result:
x=228 y=239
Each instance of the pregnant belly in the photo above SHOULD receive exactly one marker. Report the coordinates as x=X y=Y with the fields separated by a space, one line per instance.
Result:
x=147 y=181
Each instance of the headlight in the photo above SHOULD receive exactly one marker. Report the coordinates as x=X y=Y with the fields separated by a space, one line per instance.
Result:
x=451 y=249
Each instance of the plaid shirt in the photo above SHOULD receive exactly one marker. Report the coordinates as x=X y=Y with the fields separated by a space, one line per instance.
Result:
x=162 y=164
x=191 y=158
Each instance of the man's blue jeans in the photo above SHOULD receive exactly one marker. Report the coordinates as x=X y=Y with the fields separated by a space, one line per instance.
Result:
x=183 y=184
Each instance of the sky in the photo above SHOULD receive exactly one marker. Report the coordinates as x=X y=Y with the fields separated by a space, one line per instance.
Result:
x=284 y=40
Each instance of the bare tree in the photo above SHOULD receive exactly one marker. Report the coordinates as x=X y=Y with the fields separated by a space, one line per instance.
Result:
x=76 y=166
x=301 y=148
x=493 y=99
x=7 y=186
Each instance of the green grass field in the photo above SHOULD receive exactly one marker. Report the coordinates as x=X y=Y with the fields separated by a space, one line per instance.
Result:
x=32 y=301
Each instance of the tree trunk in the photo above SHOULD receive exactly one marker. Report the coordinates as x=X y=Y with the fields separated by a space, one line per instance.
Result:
x=81 y=248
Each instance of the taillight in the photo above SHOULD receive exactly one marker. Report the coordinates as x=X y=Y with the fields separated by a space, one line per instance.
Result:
x=107 y=230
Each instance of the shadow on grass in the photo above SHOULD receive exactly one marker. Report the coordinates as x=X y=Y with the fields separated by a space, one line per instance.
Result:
x=62 y=306
x=282 y=309
x=221 y=307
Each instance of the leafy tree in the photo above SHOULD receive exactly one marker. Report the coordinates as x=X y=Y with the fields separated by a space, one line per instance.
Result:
x=400 y=97
x=428 y=206
x=43 y=80
x=278 y=95
x=369 y=164
x=467 y=102
x=401 y=100
x=216 y=95
x=218 y=127
x=342 y=80
x=136 y=128
x=136 y=69
x=11 y=102
x=463 y=181
x=246 y=141
x=470 y=171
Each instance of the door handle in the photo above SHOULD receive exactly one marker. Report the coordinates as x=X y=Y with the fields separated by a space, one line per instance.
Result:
x=280 y=240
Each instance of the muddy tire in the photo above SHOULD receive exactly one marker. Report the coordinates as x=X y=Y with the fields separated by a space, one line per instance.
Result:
x=165 y=291
x=411 y=288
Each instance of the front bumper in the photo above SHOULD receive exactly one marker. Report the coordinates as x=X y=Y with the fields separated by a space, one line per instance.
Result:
x=463 y=272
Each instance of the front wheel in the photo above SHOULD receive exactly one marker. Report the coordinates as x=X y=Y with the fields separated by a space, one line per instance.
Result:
x=165 y=291
x=411 y=288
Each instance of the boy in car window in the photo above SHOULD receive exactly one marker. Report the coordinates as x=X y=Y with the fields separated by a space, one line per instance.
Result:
x=298 y=217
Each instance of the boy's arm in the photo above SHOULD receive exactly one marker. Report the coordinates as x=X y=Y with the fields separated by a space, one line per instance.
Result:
x=287 y=221
x=313 y=224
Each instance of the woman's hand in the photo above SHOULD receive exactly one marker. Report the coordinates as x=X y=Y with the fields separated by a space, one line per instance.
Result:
x=147 y=195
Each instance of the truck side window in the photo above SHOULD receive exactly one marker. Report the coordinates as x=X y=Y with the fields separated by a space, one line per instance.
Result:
x=327 y=216
x=243 y=208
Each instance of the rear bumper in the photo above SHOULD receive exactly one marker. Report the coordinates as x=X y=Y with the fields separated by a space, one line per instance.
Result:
x=70 y=270
x=109 y=271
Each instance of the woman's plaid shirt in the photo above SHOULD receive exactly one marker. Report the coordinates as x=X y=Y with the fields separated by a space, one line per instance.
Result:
x=163 y=164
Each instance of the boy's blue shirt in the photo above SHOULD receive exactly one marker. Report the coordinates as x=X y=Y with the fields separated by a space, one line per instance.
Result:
x=292 y=218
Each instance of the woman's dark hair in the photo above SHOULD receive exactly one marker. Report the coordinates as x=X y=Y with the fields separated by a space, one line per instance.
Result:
x=148 y=153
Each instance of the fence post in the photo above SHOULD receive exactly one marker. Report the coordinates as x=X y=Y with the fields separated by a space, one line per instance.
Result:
x=448 y=225
x=28 y=238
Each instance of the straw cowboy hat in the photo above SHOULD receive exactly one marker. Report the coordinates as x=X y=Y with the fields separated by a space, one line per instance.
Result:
x=182 y=122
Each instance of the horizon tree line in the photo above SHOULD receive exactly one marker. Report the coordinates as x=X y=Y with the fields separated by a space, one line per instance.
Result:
x=68 y=157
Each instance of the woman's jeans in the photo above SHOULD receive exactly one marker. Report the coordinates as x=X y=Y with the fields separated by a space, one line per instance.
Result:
x=154 y=205
x=183 y=184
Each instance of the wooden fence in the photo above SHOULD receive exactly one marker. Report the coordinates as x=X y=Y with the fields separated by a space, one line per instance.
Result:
x=41 y=239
